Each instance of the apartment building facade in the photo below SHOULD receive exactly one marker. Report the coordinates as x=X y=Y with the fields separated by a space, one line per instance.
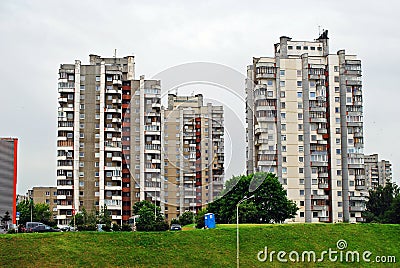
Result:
x=377 y=172
x=193 y=148
x=89 y=142
x=8 y=176
x=305 y=124
x=45 y=195
x=110 y=141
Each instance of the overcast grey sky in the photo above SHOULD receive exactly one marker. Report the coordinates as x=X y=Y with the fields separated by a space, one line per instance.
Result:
x=36 y=36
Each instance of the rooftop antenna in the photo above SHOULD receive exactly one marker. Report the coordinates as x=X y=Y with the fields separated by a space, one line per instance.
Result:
x=319 y=30
x=115 y=56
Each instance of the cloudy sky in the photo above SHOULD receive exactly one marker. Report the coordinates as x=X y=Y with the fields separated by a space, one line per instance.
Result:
x=39 y=35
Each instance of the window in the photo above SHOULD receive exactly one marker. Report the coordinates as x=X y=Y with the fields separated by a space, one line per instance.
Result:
x=270 y=94
x=82 y=116
x=337 y=89
x=290 y=47
x=349 y=100
x=282 y=83
x=81 y=164
x=302 y=203
x=301 y=213
x=301 y=159
x=300 y=137
x=109 y=78
x=81 y=183
x=337 y=110
x=47 y=193
x=337 y=141
x=299 y=83
x=336 y=68
x=301 y=181
x=81 y=135
x=284 y=159
x=283 y=105
x=336 y=78
x=282 y=94
x=301 y=148
x=283 y=115
x=312 y=84
x=315 y=214
x=284 y=170
x=339 y=172
x=97 y=78
x=337 y=99
x=337 y=151
x=301 y=170
x=282 y=72
x=299 y=105
x=269 y=82
x=339 y=193
x=301 y=192
x=300 y=116
x=312 y=94
x=305 y=47
x=82 y=87
x=313 y=137
x=81 y=154
x=312 y=48
x=283 y=126
x=283 y=148
x=298 y=72
x=298 y=47
x=299 y=94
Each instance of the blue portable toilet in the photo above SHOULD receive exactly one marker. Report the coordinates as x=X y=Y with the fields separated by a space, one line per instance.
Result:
x=209 y=220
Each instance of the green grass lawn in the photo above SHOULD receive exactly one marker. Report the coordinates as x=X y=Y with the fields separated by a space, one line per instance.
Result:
x=198 y=248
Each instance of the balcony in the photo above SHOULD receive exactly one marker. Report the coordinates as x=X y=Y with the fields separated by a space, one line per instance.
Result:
x=323 y=175
x=319 y=207
x=62 y=100
x=353 y=82
x=112 y=110
x=59 y=207
x=156 y=105
x=357 y=208
x=317 y=109
x=61 y=197
x=111 y=129
x=65 y=187
x=116 y=158
x=265 y=75
x=113 y=187
x=116 y=101
x=322 y=131
x=318 y=120
x=116 y=178
x=319 y=197
x=112 y=91
x=117 y=82
x=323 y=185
x=358 y=198
x=324 y=219
x=319 y=164
x=61 y=217
x=361 y=187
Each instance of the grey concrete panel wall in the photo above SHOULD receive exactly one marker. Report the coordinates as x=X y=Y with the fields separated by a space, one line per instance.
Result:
x=6 y=176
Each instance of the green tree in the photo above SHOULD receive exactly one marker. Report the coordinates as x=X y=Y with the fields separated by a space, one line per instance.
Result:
x=269 y=204
x=5 y=219
x=382 y=204
x=147 y=220
x=40 y=213
x=186 y=218
x=199 y=219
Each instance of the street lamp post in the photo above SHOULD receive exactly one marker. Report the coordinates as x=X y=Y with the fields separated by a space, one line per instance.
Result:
x=237 y=227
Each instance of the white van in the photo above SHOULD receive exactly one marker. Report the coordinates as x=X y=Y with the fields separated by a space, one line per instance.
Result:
x=31 y=224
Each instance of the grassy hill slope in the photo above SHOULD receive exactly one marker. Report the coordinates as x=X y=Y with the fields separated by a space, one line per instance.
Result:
x=198 y=248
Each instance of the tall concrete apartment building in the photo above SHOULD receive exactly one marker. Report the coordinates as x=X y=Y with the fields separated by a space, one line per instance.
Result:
x=305 y=124
x=8 y=176
x=109 y=143
x=377 y=172
x=193 y=151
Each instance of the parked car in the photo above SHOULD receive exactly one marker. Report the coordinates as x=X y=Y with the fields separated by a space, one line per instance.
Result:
x=67 y=229
x=31 y=224
x=44 y=229
x=176 y=227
